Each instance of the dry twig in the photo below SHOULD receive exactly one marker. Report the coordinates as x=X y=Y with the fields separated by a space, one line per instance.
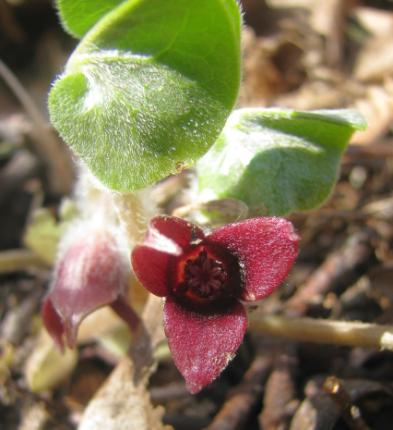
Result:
x=242 y=400
x=279 y=399
x=341 y=397
x=346 y=333
x=46 y=144
x=341 y=267
x=18 y=259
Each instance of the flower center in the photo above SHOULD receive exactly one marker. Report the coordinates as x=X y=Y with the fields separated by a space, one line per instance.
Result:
x=206 y=274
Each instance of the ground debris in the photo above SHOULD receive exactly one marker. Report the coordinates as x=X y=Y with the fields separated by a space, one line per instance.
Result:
x=300 y=54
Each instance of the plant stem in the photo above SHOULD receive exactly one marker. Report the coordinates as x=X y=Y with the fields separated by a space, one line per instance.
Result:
x=346 y=333
x=18 y=259
x=134 y=211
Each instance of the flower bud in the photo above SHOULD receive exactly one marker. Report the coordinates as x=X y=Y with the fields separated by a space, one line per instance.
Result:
x=91 y=272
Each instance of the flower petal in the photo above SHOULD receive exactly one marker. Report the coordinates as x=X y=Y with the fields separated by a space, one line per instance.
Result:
x=266 y=249
x=151 y=267
x=166 y=239
x=89 y=274
x=181 y=232
x=203 y=344
x=53 y=323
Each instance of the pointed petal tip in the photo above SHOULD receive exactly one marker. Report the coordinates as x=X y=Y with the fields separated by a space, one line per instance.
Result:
x=71 y=333
x=195 y=385
x=203 y=344
x=53 y=323
x=63 y=332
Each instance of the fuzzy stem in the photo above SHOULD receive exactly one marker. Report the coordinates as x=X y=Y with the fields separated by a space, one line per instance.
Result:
x=134 y=211
x=346 y=333
x=18 y=259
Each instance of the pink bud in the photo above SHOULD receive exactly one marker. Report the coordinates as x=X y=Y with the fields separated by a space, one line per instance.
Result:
x=91 y=272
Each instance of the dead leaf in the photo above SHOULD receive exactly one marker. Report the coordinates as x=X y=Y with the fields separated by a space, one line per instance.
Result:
x=106 y=328
x=316 y=413
x=329 y=18
x=375 y=61
x=306 y=4
x=377 y=109
x=312 y=95
x=271 y=66
x=261 y=79
x=122 y=404
x=376 y=21
x=46 y=367
x=35 y=416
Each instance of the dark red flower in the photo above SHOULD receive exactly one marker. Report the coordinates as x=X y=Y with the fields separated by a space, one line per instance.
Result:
x=205 y=278
x=90 y=273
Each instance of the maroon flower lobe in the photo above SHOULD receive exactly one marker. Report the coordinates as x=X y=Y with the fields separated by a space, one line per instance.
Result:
x=265 y=248
x=166 y=238
x=203 y=344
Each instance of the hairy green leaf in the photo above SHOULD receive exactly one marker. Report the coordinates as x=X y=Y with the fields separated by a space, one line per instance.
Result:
x=277 y=160
x=78 y=16
x=149 y=88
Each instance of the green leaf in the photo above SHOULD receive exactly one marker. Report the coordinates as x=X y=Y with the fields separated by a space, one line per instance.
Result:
x=78 y=16
x=149 y=88
x=277 y=160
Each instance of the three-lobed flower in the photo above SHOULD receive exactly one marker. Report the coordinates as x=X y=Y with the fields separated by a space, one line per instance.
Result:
x=206 y=279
